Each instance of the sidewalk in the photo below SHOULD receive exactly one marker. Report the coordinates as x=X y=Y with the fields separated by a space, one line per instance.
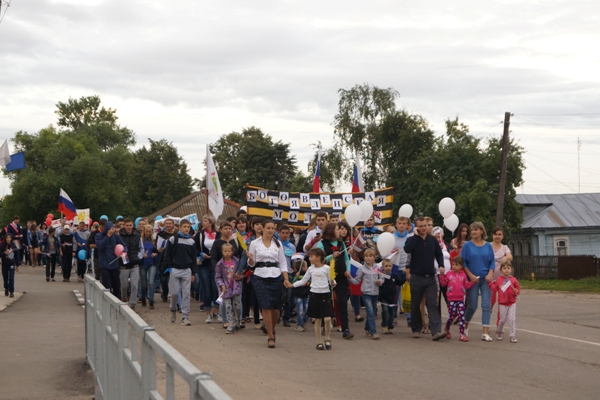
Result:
x=43 y=340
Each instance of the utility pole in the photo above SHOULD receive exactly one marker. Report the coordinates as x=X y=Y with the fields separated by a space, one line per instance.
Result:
x=578 y=166
x=503 y=165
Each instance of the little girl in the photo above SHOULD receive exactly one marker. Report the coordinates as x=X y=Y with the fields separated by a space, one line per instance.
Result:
x=319 y=300
x=8 y=266
x=301 y=295
x=508 y=290
x=457 y=284
x=369 y=275
x=231 y=289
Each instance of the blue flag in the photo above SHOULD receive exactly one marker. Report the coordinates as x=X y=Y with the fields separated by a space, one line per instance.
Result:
x=17 y=161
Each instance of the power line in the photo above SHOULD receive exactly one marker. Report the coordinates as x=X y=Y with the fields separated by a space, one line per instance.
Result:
x=544 y=172
x=560 y=115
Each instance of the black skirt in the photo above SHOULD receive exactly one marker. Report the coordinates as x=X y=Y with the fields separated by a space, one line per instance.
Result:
x=319 y=305
x=269 y=292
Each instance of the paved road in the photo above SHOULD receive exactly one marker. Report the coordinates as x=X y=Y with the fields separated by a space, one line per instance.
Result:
x=557 y=357
x=565 y=364
x=43 y=342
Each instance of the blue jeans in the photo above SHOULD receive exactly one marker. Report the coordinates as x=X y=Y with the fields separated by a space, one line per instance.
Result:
x=209 y=287
x=486 y=303
x=147 y=274
x=301 y=308
x=370 y=306
x=355 y=301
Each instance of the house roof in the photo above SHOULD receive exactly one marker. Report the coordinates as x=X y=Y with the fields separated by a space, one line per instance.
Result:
x=195 y=203
x=576 y=210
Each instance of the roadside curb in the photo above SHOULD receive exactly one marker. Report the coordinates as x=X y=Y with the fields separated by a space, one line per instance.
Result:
x=7 y=301
x=79 y=297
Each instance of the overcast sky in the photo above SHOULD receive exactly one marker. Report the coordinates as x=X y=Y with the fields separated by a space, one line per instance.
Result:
x=190 y=71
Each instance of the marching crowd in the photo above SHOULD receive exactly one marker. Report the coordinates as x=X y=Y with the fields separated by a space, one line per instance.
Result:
x=244 y=270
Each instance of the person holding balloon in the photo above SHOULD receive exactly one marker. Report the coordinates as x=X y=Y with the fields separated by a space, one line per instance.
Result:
x=110 y=247
x=81 y=237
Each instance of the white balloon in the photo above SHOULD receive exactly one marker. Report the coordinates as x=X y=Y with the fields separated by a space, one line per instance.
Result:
x=447 y=207
x=352 y=215
x=405 y=211
x=366 y=210
x=385 y=243
x=451 y=222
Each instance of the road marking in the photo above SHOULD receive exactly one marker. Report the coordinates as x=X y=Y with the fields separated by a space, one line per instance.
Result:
x=559 y=337
x=548 y=335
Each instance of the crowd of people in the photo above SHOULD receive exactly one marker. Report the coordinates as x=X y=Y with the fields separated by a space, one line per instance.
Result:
x=244 y=271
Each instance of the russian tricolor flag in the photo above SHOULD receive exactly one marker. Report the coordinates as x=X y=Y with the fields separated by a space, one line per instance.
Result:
x=317 y=181
x=66 y=206
x=357 y=184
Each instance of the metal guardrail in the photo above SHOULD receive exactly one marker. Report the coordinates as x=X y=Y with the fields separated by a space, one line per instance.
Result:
x=122 y=350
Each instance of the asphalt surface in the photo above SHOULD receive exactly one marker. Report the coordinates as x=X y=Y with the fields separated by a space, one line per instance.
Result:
x=557 y=357
x=43 y=341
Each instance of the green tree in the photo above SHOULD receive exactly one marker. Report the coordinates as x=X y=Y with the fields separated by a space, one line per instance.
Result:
x=466 y=169
x=334 y=168
x=301 y=183
x=252 y=157
x=357 y=128
x=160 y=177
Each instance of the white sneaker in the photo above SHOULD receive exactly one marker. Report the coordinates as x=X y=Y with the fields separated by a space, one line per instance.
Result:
x=299 y=328
x=486 y=338
x=185 y=322
x=219 y=319
x=173 y=316
x=208 y=320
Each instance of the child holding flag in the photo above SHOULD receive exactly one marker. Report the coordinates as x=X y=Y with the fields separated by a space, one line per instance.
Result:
x=508 y=290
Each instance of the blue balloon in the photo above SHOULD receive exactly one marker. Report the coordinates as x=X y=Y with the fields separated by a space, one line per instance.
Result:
x=81 y=255
x=137 y=221
x=158 y=218
x=104 y=217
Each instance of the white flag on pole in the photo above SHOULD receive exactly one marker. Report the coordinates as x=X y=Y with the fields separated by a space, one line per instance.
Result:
x=4 y=154
x=215 y=194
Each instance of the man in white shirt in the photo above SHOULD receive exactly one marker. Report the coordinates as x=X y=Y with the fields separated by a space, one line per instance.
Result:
x=315 y=235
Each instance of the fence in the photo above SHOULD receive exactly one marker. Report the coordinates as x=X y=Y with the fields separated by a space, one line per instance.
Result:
x=543 y=267
x=555 y=267
x=122 y=351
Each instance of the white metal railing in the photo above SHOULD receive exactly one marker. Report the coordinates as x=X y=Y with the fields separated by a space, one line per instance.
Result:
x=122 y=350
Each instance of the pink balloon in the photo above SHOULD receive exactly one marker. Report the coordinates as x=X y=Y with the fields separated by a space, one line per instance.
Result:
x=119 y=250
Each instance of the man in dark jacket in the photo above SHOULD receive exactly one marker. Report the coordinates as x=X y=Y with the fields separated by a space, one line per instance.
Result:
x=130 y=271
x=106 y=241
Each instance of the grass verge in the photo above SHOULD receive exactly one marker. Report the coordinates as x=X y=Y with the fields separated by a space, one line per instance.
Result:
x=580 y=286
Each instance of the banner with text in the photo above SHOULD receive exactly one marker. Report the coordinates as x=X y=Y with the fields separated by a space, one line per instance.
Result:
x=297 y=209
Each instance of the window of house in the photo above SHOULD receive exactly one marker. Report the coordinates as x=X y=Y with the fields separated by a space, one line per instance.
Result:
x=561 y=246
